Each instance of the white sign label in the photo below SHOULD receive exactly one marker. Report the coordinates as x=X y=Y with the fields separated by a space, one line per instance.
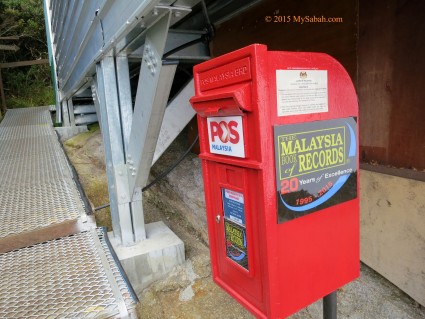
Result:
x=301 y=91
x=225 y=135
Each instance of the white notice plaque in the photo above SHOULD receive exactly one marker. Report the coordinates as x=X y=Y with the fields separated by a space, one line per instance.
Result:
x=301 y=91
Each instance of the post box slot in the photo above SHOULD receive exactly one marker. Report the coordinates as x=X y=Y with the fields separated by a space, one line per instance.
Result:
x=233 y=100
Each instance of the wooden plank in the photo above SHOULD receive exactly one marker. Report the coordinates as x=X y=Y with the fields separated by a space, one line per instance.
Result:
x=13 y=37
x=393 y=171
x=51 y=232
x=7 y=47
x=23 y=63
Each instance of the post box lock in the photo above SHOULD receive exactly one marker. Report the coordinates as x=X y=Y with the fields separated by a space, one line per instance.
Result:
x=217 y=219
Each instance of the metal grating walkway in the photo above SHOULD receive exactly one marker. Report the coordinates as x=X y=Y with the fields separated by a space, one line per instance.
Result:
x=72 y=277
x=37 y=189
x=48 y=268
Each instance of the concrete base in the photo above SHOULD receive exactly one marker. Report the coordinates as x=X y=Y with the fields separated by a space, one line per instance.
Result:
x=151 y=259
x=67 y=132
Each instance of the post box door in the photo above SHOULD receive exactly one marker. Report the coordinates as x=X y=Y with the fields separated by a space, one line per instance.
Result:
x=235 y=236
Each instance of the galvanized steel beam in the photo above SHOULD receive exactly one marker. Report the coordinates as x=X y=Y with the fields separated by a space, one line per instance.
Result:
x=71 y=113
x=151 y=98
x=98 y=30
x=177 y=114
x=85 y=119
x=126 y=103
x=106 y=96
x=65 y=114
x=84 y=31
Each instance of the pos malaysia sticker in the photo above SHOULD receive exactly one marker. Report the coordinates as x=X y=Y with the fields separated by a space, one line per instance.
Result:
x=316 y=166
x=225 y=135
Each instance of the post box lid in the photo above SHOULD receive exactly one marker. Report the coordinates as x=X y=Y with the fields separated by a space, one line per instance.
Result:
x=233 y=100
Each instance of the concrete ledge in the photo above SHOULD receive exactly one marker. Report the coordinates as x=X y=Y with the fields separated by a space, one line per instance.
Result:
x=151 y=259
x=67 y=132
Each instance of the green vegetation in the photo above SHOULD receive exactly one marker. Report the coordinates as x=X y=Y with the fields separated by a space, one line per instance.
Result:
x=81 y=139
x=28 y=87
x=32 y=85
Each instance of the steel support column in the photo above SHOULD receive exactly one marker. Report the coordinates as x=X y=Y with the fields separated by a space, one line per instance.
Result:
x=65 y=113
x=124 y=93
x=126 y=108
x=151 y=99
x=130 y=137
x=106 y=96
x=71 y=112
x=3 y=106
x=58 y=111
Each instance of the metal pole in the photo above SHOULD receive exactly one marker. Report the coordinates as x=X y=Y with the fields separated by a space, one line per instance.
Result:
x=3 y=106
x=330 y=306
x=71 y=112
x=65 y=114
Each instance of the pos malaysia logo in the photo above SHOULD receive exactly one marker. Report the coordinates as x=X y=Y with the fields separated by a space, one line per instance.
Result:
x=225 y=135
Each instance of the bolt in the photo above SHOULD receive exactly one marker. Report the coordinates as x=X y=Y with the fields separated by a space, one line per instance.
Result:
x=133 y=174
x=177 y=14
x=155 y=12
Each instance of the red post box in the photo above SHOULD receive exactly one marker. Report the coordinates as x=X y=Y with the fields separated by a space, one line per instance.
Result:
x=279 y=150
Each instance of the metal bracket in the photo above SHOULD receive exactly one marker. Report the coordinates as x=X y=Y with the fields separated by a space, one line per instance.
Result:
x=121 y=182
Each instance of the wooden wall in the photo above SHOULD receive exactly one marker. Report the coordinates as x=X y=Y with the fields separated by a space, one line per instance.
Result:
x=392 y=82
x=381 y=43
x=337 y=39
